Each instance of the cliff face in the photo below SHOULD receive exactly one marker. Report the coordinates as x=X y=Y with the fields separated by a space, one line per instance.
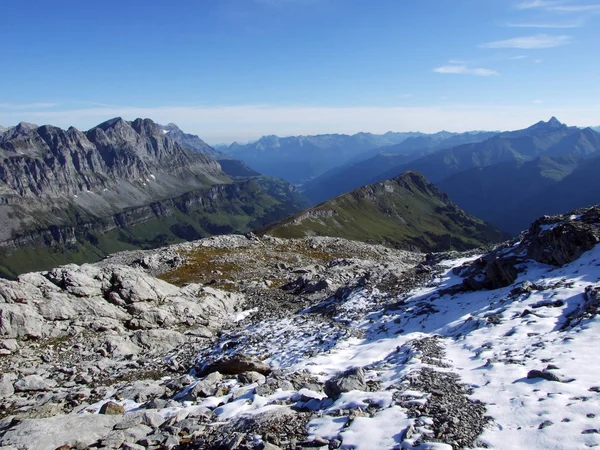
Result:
x=49 y=162
x=119 y=185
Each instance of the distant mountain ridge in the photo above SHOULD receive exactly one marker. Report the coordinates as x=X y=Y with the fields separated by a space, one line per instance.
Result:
x=300 y=158
x=381 y=163
x=505 y=180
x=405 y=212
x=550 y=138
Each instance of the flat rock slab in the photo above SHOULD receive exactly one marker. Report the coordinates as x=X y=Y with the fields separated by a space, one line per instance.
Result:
x=49 y=434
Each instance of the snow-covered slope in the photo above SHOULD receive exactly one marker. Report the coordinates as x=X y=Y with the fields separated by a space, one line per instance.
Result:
x=422 y=351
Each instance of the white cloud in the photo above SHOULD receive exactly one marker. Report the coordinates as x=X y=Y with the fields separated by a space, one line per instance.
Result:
x=538 y=102
x=518 y=57
x=247 y=122
x=530 y=42
x=464 y=70
x=532 y=4
x=575 y=8
x=545 y=25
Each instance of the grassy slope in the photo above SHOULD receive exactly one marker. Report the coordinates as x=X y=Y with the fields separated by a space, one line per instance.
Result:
x=250 y=208
x=405 y=212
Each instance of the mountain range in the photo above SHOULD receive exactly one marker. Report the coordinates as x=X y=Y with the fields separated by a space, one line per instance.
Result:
x=299 y=158
x=68 y=195
x=369 y=167
x=504 y=178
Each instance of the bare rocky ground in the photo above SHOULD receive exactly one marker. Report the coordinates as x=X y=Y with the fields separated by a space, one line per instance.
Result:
x=78 y=336
x=204 y=345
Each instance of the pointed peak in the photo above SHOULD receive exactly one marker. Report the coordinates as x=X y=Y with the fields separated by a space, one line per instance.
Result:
x=554 y=122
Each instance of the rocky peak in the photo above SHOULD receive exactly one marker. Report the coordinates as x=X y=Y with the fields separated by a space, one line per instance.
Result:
x=146 y=127
x=552 y=124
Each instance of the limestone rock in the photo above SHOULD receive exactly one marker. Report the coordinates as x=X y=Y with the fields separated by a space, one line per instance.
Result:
x=34 y=383
x=6 y=384
x=51 y=433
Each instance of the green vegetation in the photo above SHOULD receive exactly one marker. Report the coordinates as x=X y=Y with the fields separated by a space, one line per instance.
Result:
x=406 y=212
x=238 y=208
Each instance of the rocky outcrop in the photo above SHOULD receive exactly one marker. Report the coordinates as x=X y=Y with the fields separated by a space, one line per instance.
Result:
x=126 y=310
x=554 y=240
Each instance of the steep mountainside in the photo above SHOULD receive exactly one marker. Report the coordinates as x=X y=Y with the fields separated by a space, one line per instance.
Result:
x=550 y=138
x=190 y=141
x=404 y=212
x=370 y=167
x=579 y=189
x=494 y=193
x=300 y=158
x=76 y=196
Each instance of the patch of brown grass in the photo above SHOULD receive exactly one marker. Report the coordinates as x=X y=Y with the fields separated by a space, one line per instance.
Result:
x=202 y=266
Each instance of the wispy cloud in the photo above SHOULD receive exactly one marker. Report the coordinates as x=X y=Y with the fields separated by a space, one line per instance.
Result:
x=545 y=25
x=530 y=42
x=513 y=58
x=464 y=70
x=575 y=8
x=533 y=4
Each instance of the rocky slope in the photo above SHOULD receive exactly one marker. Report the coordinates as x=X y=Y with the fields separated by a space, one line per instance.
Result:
x=404 y=212
x=190 y=141
x=323 y=343
x=77 y=196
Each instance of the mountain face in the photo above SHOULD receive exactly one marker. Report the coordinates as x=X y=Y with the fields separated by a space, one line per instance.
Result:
x=404 y=212
x=377 y=164
x=300 y=158
x=543 y=139
x=190 y=141
x=120 y=185
x=254 y=343
x=496 y=192
x=517 y=176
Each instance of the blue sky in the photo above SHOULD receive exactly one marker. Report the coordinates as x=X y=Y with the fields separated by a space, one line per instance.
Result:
x=237 y=69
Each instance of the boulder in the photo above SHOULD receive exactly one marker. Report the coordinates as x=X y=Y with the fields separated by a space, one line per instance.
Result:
x=33 y=383
x=238 y=364
x=251 y=377
x=6 y=384
x=54 y=432
x=532 y=374
x=351 y=380
x=111 y=409
x=207 y=387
